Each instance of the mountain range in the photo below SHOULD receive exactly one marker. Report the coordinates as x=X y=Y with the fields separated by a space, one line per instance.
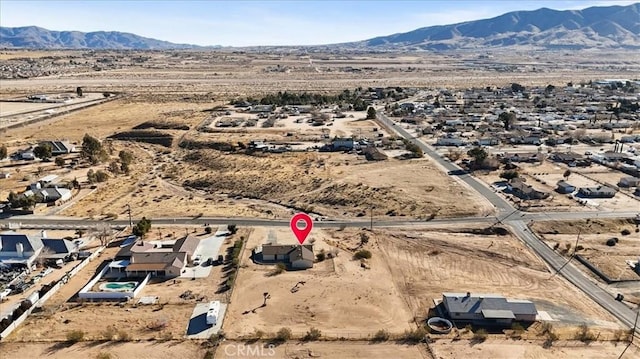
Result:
x=594 y=27
x=38 y=38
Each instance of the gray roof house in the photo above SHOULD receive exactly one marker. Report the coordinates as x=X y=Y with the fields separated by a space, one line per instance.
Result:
x=525 y=191
x=488 y=308
x=597 y=192
x=58 y=248
x=143 y=257
x=629 y=181
x=16 y=248
x=564 y=187
x=297 y=256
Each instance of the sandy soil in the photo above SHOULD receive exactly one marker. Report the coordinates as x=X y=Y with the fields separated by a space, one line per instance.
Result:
x=90 y=350
x=222 y=73
x=329 y=350
x=332 y=289
x=425 y=264
x=508 y=349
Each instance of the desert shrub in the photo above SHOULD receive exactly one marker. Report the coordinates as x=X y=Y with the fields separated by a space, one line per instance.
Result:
x=123 y=336
x=103 y=355
x=480 y=335
x=611 y=242
x=208 y=230
x=283 y=334
x=362 y=254
x=279 y=269
x=625 y=232
x=208 y=355
x=75 y=336
x=109 y=333
x=233 y=228
x=258 y=334
x=381 y=336
x=312 y=334
x=584 y=334
x=321 y=256
x=158 y=324
x=518 y=329
x=414 y=336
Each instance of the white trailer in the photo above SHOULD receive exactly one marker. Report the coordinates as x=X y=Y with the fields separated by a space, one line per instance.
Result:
x=213 y=312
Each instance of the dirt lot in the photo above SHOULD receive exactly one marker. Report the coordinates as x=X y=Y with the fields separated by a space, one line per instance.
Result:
x=331 y=289
x=328 y=350
x=409 y=269
x=90 y=350
x=425 y=264
x=497 y=349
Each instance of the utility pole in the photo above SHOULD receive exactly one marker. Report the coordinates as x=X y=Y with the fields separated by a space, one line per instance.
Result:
x=130 y=220
x=371 y=223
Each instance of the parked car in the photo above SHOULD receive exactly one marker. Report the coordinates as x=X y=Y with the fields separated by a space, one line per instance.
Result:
x=220 y=260
x=5 y=293
x=210 y=261
x=197 y=259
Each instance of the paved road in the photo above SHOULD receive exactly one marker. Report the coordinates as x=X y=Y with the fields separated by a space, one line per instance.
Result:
x=518 y=220
x=501 y=204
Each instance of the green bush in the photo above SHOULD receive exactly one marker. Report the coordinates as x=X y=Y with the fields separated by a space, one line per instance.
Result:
x=480 y=335
x=381 y=336
x=75 y=336
x=283 y=334
x=312 y=334
x=362 y=254
x=414 y=336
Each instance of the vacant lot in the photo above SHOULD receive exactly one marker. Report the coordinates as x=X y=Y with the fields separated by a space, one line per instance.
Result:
x=90 y=350
x=329 y=350
x=337 y=296
x=497 y=349
x=425 y=264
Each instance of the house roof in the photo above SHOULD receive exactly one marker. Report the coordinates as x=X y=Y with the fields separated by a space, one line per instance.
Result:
x=287 y=249
x=157 y=257
x=147 y=266
x=490 y=306
x=564 y=184
x=9 y=241
x=301 y=253
x=187 y=244
x=59 y=246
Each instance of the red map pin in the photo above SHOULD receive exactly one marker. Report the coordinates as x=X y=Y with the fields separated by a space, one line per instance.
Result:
x=301 y=233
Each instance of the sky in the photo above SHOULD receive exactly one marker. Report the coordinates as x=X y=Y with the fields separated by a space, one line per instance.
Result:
x=252 y=23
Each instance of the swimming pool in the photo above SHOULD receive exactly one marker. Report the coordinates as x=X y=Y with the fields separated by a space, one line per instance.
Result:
x=118 y=286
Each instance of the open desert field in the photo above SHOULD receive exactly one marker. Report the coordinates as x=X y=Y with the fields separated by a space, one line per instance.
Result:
x=425 y=264
x=222 y=73
x=408 y=271
x=508 y=349
x=328 y=350
x=89 y=350
x=326 y=293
